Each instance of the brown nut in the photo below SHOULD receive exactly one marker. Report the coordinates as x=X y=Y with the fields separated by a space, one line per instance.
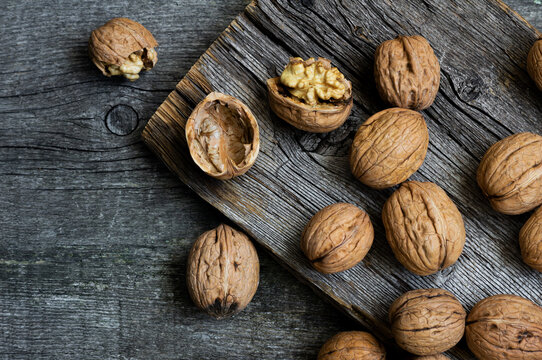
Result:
x=223 y=136
x=222 y=271
x=432 y=357
x=337 y=238
x=311 y=95
x=530 y=241
x=407 y=72
x=534 y=63
x=423 y=227
x=505 y=327
x=510 y=173
x=122 y=47
x=427 y=321
x=389 y=147
x=352 y=345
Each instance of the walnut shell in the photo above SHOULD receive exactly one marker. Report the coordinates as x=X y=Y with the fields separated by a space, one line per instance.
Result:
x=389 y=147
x=534 y=63
x=505 y=327
x=318 y=118
x=424 y=227
x=352 y=345
x=337 y=238
x=530 y=241
x=510 y=173
x=223 y=136
x=427 y=321
x=407 y=72
x=113 y=43
x=222 y=271
x=432 y=357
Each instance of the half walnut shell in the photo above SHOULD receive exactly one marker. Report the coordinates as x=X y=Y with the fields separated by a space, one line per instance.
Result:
x=122 y=41
x=223 y=136
x=321 y=117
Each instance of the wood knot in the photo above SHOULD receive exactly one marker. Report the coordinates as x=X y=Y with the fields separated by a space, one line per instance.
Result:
x=121 y=120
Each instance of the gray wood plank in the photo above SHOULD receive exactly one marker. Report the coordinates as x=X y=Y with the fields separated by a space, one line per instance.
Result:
x=95 y=230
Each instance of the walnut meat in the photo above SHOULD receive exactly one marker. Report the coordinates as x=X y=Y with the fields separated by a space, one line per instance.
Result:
x=407 y=72
x=427 y=321
x=530 y=241
x=505 y=327
x=534 y=63
x=222 y=271
x=223 y=136
x=510 y=173
x=352 y=345
x=389 y=147
x=311 y=95
x=122 y=47
x=337 y=238
x=424 y=227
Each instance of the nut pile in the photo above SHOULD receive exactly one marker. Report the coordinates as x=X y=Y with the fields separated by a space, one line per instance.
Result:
x=423 y=226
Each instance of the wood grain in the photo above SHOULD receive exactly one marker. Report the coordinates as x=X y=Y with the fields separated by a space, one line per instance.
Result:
x=485 y=95
x=95 y=230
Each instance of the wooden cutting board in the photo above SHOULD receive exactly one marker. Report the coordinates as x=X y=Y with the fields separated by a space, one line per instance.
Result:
x=485 y=95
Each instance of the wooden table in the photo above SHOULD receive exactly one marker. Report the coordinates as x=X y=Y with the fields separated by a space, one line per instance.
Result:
x=95 y=229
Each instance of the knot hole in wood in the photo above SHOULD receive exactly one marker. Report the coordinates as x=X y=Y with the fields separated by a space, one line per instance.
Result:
x=121 y=120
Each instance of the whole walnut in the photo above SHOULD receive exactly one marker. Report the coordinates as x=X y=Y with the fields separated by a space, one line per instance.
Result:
x=432 y=357
x=223 y=136
x=424 y=227
x=352 y=345
x=530 y=241
x=311 y=95
x=505 y=327
x=122 y=47
x=222 y=271
x=407 y=72
x=389 y=147
x=534 y=63
x=337 y=238
x=510 y=173
x=427 y=321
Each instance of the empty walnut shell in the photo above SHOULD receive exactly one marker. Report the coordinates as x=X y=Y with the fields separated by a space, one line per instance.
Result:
x=321 y=117
x=114 y=42
x=534 y=63
x=407 y=72
x=337 y=238
x=222 y=271
x=427 y=321
x=423 y=227
x=352 y=345
x=505 y=327
x=389 y=147
x=223 y=136
x=510 y=173
x=530 y=241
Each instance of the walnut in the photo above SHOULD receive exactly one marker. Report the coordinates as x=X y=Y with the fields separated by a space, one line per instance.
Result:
x=530 y=241
x=337 y=238
x=223 y=136
x=534 y=63
x=352 y=345
x=407 y=72
x=423 y=227
x=122 y=47
x=311 y=95
x=432 y=357
x=222 y=271
x=389 y=147
x=427 y=321
x=505 y=327
x=510 y=173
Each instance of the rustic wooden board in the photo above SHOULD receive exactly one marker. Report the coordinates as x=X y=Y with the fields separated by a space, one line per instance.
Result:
x=485 y=95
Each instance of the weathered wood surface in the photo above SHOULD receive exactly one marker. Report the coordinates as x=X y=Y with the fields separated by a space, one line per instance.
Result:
x=485 y=95
x=95 y=230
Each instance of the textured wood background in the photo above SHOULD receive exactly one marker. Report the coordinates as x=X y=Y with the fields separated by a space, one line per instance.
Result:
x=95 y=230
